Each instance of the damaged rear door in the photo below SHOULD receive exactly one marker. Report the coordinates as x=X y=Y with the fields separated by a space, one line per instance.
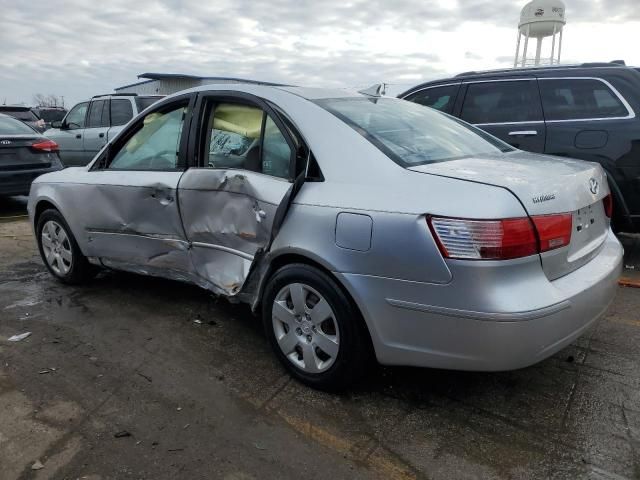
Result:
x=245 y=159
x=135 y=222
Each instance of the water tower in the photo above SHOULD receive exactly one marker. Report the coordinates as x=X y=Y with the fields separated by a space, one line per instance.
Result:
x=540 y=19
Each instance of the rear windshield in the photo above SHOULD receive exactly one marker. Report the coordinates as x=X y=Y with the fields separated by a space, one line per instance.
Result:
x=24 y=115
x=411 y=134
x=144 y=102
x=11 y=126
x=52 y=115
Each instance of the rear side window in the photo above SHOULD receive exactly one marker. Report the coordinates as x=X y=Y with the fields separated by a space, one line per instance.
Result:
x=579 y=99
x=98 y=114
x=502 y=102
x=11 y=126
x=245 y=137
x=121 y=111
x=440 y=98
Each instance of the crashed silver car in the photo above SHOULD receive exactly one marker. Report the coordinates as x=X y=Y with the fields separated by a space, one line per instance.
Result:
x=355 y=224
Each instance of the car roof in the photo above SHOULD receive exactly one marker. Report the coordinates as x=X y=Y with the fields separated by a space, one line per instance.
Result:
x=308 y=93
x=541 y=71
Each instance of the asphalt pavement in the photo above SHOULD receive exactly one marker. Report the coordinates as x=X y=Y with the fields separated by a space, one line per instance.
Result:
x=132 y=377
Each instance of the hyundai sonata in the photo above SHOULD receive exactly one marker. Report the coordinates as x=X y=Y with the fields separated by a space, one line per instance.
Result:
x=353 y=223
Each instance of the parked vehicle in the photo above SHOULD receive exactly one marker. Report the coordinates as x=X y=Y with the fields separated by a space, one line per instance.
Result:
x=50 y=114
x=24 y=154
x=353 y=223
x=90 y=125
x=584 y=111
x=24 y=114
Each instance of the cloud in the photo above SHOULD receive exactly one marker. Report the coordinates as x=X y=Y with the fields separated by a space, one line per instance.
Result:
x=74 y=49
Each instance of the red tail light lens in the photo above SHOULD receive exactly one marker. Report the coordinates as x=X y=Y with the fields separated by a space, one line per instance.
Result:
x=554 y=231
x=45 y=146
x=500 y=239
x=608 y=205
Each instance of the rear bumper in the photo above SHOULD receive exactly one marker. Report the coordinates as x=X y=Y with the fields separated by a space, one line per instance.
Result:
x=18 y=182
x=407 y=330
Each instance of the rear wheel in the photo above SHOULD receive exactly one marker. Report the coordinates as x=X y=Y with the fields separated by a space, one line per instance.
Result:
x=59 y=249
x=314 y=328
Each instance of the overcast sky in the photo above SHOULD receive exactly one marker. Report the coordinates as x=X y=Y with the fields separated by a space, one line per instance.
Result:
x=79 y=48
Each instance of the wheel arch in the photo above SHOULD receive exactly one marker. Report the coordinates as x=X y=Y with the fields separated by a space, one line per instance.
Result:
x=289 y=257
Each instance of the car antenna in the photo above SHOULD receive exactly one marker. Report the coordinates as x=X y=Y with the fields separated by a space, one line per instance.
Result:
x=377 y=90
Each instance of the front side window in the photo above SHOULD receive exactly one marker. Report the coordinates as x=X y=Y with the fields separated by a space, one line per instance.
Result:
x=411 y=134
x=502 y=102
x=245 y=137
x=121 y=111
x=155 y=145
x=440 y=98
x=75 y=118
x=98 y=114
x=575 y=99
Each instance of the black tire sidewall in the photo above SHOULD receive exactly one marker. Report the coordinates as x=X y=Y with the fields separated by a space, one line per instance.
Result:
x=79 y=264
x=351 y=354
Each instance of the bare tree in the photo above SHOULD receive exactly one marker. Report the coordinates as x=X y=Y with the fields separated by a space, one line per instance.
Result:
x=51 y=100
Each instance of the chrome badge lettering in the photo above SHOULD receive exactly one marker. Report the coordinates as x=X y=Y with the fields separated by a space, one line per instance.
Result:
x=594 y=186
x=544 y=198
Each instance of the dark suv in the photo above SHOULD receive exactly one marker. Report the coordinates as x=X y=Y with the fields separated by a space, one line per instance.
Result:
x=585 y=111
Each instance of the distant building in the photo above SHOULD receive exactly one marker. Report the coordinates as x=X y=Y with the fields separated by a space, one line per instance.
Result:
x=168 y=83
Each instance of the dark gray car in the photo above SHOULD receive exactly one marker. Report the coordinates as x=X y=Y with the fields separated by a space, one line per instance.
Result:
x=24 y=155
x=586 y=111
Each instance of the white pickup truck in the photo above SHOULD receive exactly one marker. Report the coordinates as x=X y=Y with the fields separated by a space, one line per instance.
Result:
x=90 y=125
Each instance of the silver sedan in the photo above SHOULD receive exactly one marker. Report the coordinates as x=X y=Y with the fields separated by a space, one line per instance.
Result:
x=356 y=225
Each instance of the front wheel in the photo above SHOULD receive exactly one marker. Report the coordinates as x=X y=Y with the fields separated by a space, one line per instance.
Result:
x=313 y=327
x=59 y=249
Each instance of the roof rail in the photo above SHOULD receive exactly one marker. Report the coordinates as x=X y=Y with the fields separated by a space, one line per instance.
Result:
x=115 y=95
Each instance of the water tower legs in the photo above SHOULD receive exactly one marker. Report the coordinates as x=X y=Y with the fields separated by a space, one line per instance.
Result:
x=515 y=62
x=526 y=45
x=553 y=45
x=538 y=50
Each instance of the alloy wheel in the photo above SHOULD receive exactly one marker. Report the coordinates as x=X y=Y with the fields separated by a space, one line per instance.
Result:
x=305 y=328
x=56 y=247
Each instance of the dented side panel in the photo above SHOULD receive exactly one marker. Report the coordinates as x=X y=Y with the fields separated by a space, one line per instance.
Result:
x=228 y=218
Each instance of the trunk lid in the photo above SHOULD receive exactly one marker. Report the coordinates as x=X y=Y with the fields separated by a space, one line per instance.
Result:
x=544 y=185
x=16 y=153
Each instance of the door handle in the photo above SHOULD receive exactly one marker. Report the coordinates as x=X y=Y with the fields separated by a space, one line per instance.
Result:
x=101 y=135
x=78 y=135
x=523 y=133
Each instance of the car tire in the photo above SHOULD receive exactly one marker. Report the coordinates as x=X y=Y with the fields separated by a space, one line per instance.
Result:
x=319 y=335
x=59 y=250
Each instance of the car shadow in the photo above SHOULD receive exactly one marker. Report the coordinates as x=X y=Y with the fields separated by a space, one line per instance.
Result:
x=13 y=207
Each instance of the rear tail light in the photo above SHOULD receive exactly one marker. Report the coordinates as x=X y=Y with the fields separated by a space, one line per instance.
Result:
x=500 y=239
x=45 y=146
x=554 y=231
x=608 y=205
